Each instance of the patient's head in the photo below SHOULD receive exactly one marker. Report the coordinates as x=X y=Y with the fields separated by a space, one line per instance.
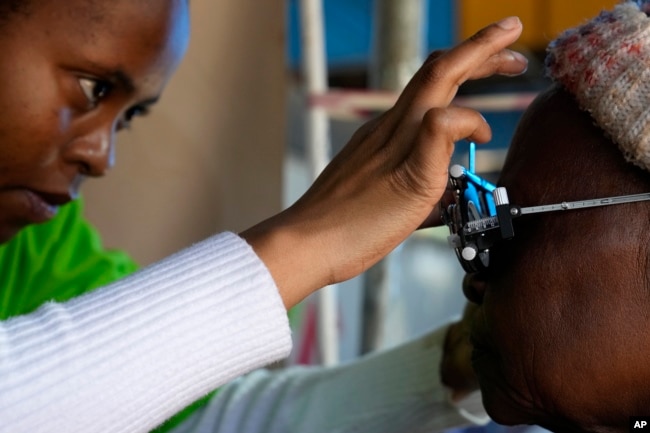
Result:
x=562 y=337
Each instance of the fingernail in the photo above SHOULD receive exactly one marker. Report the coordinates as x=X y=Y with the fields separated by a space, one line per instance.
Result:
x=519 y=57
x=509 y=23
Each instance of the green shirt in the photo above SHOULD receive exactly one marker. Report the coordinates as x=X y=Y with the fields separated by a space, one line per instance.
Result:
x=56 y=261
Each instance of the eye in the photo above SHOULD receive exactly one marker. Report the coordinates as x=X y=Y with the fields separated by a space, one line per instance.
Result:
x=138 y=110
x=95 y=90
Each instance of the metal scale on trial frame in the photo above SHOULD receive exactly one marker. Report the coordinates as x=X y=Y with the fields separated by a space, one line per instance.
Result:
x=480 y=214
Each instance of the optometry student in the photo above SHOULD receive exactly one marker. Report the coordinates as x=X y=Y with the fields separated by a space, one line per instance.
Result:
x=562 y=330
x=131 y=354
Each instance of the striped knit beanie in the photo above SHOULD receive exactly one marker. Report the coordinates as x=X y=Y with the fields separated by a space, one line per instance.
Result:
x=605 y=64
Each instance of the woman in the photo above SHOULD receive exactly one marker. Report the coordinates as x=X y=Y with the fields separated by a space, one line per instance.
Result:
x=131 y=354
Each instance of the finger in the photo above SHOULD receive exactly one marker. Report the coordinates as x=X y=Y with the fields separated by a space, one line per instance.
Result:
x=456 y=370
x=450 y=124
x=435 y=217
x=485 y=49
x=434 y=55
x=434 y=144
x=433 y=220
x=505 y=62
x=437 y=82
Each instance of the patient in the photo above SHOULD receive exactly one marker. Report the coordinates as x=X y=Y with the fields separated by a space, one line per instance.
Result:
x=562 y=335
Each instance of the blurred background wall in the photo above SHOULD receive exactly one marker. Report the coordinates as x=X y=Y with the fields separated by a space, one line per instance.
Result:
x=209 y=156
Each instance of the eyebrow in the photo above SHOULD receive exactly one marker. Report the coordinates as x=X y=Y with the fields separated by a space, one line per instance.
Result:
x=124 y=80
x=120 y=77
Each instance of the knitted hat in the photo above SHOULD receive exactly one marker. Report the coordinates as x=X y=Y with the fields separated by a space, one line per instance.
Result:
x=605 y=64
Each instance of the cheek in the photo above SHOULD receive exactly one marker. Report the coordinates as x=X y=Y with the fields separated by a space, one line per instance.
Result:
x=573 y=322
x=31 y=125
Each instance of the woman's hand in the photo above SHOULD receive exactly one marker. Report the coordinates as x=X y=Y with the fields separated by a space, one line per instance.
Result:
x=456 y=371
x=389 y=177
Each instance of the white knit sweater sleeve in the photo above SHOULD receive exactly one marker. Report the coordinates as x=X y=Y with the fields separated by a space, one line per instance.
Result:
x=128 y=356
x=394 y=391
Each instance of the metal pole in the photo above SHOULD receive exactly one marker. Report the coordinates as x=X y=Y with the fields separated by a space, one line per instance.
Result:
x=398 y=42
x=318 y=147
x=398 y=53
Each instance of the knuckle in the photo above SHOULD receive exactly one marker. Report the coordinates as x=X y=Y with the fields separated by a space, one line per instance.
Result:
x=379 y=125
x=481 y=37
x=434 y=55
x=434 y=71
x=455 y=123
x=436 y=120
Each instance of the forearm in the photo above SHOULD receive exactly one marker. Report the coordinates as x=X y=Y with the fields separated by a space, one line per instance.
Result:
x=128 y=356
x=389 y=392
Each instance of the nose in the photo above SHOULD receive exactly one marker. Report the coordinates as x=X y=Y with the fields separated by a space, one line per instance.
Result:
x=474 y=288
x=93 y=153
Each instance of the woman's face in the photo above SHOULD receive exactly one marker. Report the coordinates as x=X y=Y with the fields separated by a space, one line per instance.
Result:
x=561 y=336
x=72 y=74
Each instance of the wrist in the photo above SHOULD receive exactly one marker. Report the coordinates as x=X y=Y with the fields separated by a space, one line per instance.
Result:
x=289 y=257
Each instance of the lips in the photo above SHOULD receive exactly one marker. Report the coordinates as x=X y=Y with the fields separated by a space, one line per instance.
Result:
x=54 y=199
x=43 y=206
